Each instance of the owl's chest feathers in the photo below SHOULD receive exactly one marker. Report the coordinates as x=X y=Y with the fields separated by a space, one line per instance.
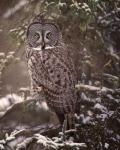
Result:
x=52 y=70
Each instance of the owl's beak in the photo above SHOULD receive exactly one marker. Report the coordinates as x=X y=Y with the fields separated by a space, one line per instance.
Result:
x=43 y=45
x=40 y=47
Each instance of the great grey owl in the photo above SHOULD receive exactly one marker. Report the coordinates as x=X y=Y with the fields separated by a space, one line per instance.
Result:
x=51 y=68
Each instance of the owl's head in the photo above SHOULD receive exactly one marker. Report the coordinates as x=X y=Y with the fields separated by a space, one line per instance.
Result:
x=42 y=35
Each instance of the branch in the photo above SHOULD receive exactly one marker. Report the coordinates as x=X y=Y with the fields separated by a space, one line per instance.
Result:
x=50 y=144
x=103 y=90
x=109 y=14
x=110 y=77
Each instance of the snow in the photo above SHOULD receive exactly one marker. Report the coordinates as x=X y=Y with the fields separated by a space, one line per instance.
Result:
x=8 y=101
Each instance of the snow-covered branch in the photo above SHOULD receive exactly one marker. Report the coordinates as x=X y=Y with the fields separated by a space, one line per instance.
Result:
x=83 y=87
x=47 y=142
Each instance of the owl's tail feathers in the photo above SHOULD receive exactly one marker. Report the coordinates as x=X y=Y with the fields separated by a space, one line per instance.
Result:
x=77 y=105
x=70 y=121
x=61 y=117
x=67 y=120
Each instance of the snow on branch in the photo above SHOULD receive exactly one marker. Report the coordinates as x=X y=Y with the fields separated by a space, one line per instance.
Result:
x=83 y=87
x=16 y=8
x=109 y=14
x=49 y=143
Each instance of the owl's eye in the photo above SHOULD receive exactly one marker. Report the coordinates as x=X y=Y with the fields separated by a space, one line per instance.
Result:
x=36 y=35
x=49 y=34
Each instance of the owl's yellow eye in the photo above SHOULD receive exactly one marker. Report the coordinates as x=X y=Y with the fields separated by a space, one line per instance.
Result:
x=48 y=35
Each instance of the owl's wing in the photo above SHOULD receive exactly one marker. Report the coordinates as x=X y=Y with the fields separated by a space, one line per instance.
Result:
x=36 y=92
x=28 y=52
x=69 y=58
x=39 y=78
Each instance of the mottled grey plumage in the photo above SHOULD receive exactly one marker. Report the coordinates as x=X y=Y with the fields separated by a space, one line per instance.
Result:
x=51 y=68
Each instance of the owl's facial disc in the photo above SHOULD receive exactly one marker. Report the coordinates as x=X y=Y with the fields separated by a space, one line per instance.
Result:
x=42 y=36
x=44 y=41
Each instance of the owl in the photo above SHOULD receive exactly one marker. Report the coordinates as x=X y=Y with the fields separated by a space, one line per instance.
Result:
x=51 y=68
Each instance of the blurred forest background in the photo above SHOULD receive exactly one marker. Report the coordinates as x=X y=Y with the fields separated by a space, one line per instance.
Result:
x=92 y=29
